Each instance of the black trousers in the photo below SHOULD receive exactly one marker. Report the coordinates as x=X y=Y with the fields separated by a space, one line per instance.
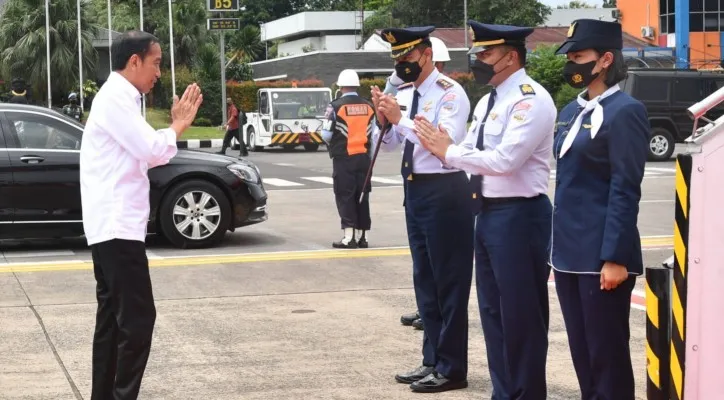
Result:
x=233 y=133
x=124 y=321
x=348 y=175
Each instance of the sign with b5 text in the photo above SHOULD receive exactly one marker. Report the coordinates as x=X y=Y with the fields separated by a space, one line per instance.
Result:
x=223 y=5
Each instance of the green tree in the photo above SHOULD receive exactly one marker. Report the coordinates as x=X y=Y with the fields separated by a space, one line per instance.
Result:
x=576 y=4
x=546 y=68
x=609 y=3
x=22 y=36
x=509 y=12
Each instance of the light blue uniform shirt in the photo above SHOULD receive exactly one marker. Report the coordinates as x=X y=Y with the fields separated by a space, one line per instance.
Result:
x=518 y=140
x=444 y=103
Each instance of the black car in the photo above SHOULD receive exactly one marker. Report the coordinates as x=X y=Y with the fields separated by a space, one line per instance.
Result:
x=667 y=94
x=40 y=185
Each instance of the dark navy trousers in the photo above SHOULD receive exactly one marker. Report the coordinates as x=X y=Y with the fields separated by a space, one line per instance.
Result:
x=597 y=323
x=440 y=232
x=511 y=268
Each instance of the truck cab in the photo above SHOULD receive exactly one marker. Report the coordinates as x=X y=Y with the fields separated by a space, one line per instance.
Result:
x=287 y=117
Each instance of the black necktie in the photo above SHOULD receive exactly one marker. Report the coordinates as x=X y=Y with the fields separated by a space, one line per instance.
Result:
x=409 y=146
x=476 y=181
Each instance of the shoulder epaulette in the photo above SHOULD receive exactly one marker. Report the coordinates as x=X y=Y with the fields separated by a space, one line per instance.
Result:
x=444 y=83
x=526 y=89
x=405 y=85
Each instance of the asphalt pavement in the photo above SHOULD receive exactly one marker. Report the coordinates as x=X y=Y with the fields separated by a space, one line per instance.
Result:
x=274 y=312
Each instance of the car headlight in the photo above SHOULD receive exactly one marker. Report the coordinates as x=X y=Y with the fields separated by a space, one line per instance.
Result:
x=245 y=172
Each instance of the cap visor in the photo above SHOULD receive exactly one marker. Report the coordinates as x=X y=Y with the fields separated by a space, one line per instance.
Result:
x=402 y=52
x=566 y=47
x=476 y=49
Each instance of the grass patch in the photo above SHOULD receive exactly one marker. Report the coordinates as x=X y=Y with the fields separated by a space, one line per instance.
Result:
x=160 y=119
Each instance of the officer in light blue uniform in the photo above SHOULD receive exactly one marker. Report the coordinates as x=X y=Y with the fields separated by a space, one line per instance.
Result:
x=439 y=222
x=600 y=148
x=507 y=152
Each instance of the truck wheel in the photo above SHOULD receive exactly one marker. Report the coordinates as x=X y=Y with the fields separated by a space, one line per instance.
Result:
x=661 y=144
x=250 y=139
x=311 y=146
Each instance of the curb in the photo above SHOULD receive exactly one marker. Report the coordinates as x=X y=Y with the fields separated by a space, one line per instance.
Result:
x=199 y=143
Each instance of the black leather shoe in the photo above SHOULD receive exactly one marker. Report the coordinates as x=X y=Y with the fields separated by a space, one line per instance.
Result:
x=341 y=245
x=436 y=382
x=408 y=319
x=417 y=324
x=362 y=243
x=414 y=375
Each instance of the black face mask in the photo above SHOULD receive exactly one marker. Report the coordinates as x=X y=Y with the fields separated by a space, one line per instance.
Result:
x=579 y=75
x=408 y=71
x=482 y=72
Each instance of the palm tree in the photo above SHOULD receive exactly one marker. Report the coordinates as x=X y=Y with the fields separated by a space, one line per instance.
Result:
x=22 y=36
x=244 y=45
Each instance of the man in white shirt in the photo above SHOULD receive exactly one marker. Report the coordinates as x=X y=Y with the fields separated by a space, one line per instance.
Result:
x=117 y=150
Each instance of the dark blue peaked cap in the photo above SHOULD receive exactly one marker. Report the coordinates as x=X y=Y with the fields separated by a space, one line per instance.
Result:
x=487 y=35
x=403 y=40
x=592 y=34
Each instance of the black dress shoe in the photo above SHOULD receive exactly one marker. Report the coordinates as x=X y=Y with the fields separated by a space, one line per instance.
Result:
x=408 y=319
x=362 y=243
x=417 y=324
x=436 y=382
x=414 y=375
x=342 y=245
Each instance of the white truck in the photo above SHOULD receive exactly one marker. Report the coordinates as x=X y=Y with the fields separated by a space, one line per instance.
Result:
x=287 y=118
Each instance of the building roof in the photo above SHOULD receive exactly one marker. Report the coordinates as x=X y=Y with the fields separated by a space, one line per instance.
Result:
x=455 y=37
x=566 y=16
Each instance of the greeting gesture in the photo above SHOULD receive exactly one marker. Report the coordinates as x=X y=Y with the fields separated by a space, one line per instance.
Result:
x=376 y=96
x=183 y=111
x=435 y=140
x=389 y=107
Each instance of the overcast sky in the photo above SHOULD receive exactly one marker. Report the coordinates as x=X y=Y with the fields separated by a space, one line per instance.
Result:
x=554 y=3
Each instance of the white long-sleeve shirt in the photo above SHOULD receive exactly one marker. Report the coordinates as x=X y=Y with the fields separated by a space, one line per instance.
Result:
x=117 y=149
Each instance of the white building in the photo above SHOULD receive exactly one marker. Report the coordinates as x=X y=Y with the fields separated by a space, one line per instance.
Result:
x=316 y=30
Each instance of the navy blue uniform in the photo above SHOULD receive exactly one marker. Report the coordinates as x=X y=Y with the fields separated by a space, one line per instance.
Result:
x=507 y=152
x=437 y=213
x=600 y=168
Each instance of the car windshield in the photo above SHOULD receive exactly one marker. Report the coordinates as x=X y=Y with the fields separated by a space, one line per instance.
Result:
x=291 y=105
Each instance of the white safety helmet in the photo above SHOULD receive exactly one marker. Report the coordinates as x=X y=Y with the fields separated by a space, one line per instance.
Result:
x=439 y=50
x=348 y=78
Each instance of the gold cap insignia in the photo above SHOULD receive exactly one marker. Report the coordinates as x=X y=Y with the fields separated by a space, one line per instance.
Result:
x=572 y=29
x=390 y=38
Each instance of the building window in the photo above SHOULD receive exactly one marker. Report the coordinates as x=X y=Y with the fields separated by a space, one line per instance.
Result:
x=705 y=15
x=666 y=20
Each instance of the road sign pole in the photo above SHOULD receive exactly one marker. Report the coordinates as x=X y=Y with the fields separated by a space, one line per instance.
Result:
x=47 y=49
x=222 y=63
x=80 y=58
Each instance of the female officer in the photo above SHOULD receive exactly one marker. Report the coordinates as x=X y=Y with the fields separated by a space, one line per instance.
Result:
x=600 y=148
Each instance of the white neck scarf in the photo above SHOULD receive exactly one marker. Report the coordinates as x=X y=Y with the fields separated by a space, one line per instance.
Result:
x=596 y=118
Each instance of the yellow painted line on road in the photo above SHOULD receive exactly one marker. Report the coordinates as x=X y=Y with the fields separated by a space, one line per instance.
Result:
x=646 y=242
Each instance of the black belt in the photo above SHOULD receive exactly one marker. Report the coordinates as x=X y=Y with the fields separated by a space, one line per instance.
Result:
x=432 y=177
x=503 y=200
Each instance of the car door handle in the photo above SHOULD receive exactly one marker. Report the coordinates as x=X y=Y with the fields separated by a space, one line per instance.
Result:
x=32 y=159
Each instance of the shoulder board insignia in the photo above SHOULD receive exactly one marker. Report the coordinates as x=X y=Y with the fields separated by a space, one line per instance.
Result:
x=405 y=86
x=526 y=89
x=444 y=83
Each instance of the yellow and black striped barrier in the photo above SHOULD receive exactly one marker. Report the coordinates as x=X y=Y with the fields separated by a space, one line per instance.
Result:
x=293 y=138
x=658 y=330
x=680 y=273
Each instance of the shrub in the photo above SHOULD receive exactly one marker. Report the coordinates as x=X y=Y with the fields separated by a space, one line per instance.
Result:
x=201 y=121
x=565 y=95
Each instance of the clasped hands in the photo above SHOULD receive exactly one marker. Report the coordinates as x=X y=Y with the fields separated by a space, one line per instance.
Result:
x=435 y=139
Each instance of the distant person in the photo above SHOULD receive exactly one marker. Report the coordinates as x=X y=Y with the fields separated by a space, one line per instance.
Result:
x=19 y=92
x=347 y=129
x=72 y=109
x=118 y=148
x=232 y=129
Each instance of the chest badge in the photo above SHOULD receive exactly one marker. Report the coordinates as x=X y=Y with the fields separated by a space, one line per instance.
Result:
x=427 y=106
x=493 y=116
x=586 y=126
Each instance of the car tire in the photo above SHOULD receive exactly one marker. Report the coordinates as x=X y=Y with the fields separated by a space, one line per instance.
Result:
x=661 y=144
x=189 y=231
x=311 y=146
